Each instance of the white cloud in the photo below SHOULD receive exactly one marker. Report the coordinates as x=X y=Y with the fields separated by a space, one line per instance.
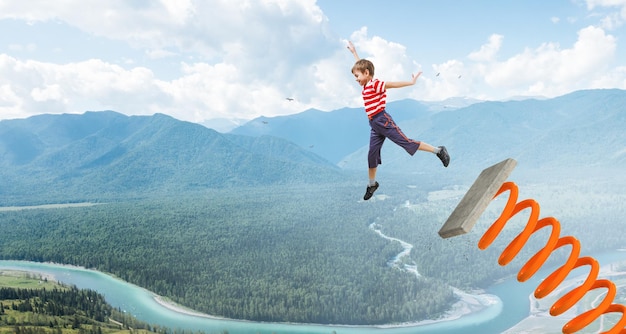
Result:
x=591 y=4
x=334 y=83
x=203 y=91
x=549 y=70
x=9 y=101
x=389 y=58
x=451 y=79
x=488 y=51
x=47 y=93
x=612 y=19
x=610 y=79
x=237 y=58
x=38 y=87
x=204 y=27
x=241 y=59
x=391 y=64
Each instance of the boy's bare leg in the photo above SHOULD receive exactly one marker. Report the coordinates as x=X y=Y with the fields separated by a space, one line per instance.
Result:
x=426 y=147
x=372 y=173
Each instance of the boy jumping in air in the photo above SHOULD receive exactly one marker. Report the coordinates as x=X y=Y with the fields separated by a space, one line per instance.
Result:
x=375 y=98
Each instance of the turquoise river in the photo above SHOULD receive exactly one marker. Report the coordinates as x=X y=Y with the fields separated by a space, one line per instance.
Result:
x=512 y=306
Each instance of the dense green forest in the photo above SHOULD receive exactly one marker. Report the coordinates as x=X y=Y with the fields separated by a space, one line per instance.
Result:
x=290 y=253
x=62 y=310
x=57 y=302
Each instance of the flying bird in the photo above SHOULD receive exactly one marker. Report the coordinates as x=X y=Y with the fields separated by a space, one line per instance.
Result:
x=289 y=99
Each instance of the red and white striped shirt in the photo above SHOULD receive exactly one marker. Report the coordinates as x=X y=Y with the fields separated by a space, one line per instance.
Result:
x=375 y=97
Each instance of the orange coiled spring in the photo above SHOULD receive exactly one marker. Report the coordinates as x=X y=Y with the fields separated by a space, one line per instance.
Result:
x=564 y=303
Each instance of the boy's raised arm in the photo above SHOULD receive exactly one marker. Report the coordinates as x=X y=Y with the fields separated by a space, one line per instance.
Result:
x=353 y=50
x=400 y=84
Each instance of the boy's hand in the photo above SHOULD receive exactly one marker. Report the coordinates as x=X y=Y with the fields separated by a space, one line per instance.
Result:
x=351 y=47
x=415 y=76
x=353 y=50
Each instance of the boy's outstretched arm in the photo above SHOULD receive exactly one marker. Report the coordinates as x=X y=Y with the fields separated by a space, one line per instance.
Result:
x=400 y=84
x=353 y=50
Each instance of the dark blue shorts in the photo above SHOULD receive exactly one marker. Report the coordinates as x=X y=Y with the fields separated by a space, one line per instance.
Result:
x=383 y=127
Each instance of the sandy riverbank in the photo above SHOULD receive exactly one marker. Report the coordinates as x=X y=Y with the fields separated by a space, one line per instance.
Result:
x=468 y=304
x=170 y=305
x=28 y=274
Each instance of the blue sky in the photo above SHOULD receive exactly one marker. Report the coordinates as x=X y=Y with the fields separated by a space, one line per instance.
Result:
x=240 y=59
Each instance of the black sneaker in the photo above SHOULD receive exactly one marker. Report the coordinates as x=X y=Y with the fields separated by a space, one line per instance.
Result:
x=444 y=156
x=370 y=191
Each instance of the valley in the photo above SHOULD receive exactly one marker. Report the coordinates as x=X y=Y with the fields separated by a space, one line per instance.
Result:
x=269 y=226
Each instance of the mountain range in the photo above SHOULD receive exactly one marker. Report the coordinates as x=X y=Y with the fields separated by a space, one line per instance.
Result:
x=333 y=135
x=573 y=133
x=99 y=153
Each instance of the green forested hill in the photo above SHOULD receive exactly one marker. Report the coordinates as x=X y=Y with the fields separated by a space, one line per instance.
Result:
x=62 y=310
x=105 y=154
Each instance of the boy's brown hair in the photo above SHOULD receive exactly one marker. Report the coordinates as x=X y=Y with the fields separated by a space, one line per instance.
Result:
x=363 y=64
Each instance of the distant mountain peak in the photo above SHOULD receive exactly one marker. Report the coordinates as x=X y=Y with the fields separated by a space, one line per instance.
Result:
x=109 y=153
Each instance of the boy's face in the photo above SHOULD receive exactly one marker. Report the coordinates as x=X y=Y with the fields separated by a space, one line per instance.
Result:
x=362 y=77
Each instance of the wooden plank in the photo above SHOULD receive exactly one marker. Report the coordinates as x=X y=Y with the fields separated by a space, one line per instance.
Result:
x=477 y=198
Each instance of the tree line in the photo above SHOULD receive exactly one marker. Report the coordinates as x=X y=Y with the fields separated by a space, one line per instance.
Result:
x=58 y=302
x=56 y=311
